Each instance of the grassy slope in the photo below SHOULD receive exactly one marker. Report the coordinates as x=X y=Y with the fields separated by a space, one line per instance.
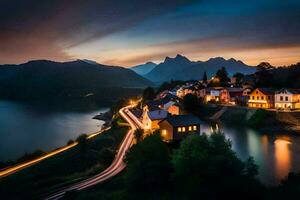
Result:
x=69 y=166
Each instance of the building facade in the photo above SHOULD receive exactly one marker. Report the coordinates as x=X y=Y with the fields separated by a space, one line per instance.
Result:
x=179 y=126
x=261 y=98
x=287 y=99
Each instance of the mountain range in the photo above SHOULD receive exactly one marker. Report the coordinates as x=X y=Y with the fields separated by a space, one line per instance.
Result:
x=144 y=69
x=43 y=78
x=181 y=68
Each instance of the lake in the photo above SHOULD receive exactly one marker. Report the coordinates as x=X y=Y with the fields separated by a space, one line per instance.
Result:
x=25 y=128
x=275 y=153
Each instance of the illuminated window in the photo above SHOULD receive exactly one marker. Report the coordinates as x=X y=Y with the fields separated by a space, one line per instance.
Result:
x=190 y=128
x=194 y=128
x=179 y=129
x=164 y=132
x=183 y=129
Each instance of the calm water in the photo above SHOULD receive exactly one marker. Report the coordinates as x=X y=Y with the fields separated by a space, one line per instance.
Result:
x=25 y=128
x=276 y=153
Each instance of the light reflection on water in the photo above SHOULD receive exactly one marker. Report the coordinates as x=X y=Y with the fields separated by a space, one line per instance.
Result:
x=282 y=157
x=275 y=153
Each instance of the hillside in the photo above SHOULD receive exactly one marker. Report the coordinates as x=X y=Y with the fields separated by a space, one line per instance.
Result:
x=44 y=78
x=181 y=68
x=143 y=68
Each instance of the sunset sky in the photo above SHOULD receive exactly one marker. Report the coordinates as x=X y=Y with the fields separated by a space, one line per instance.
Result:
x=131 y=32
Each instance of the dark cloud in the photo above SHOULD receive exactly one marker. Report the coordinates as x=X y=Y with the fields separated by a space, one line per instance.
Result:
x=34 y=29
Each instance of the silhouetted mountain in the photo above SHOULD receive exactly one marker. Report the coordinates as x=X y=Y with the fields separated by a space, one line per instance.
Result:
x=44 y=78
x=143 y=68
x=181 y=68
x=90 y=61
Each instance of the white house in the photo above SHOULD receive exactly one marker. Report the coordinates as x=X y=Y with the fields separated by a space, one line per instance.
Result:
x=287 y=99
x=151 y=118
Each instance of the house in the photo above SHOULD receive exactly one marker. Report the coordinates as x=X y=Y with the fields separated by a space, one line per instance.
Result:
x=186 y=89
x=172 y=107
x=287 y=99
x=169 y=103
x=211 y=94
x=151 y=118
x=233 y=95
x=178 y=126
x=261 y=98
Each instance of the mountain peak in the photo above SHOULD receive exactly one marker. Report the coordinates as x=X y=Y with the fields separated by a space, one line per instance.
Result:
x=167 y=59
x=217 y=59
x=150 y=63
x=232 y=60
x=177 y=58
x=89 y=61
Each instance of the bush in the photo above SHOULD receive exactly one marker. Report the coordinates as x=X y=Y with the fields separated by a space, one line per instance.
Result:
x=208 y=166
x=148 y=168
x=27 y=157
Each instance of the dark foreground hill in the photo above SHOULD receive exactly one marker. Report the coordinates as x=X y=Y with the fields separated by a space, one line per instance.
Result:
x=51 y=80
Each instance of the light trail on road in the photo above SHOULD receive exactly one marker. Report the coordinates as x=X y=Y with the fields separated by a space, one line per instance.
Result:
x=117 y=165
x=18 y=167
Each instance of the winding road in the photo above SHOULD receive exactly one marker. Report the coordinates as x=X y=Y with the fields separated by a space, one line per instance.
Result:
x=117 y=165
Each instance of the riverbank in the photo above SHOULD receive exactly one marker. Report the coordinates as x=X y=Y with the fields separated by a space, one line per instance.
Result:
x=106 y=117
x=264 y=120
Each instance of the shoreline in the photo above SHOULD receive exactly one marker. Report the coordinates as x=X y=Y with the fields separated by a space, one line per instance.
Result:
x=19 y=166
x=106 y=117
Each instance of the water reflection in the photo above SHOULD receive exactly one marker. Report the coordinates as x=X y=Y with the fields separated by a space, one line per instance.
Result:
x=276 y=154
x=282 y=157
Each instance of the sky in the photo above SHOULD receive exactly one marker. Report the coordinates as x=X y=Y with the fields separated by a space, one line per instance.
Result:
x=131 y=32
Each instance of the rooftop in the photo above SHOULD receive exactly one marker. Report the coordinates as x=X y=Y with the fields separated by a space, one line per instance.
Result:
x=266 y=91
x=157 y=114
x=293 y=91
x=183 y=120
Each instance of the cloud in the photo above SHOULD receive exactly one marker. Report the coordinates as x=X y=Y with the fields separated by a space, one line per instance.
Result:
x=152 y=29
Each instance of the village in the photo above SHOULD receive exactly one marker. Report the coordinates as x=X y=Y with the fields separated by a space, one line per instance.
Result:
x=165 y=113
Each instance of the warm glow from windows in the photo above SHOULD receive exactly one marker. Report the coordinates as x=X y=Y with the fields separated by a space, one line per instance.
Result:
x=183 y=129
x=194 y=128
x=179 y=129
x=164 y=132
x=190 y=128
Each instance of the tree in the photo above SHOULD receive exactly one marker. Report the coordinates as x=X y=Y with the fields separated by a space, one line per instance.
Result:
x=264 y=75
x=148 y=168
x=289 y=188
x=239 y=76
x=138 y=134
x=192 y=104
x=208 y=166
x=148 y=94
x=169 y=85
x=82 y=142
x=204 y=79
x=222 y=75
